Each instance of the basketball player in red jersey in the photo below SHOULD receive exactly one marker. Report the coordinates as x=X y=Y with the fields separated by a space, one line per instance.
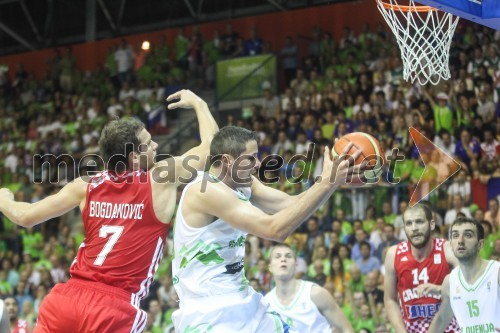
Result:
x=126 y=213
x=17 y=325
x=415 y=270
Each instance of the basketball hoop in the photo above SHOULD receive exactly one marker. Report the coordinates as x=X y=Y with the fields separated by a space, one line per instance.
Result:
x=424 y=36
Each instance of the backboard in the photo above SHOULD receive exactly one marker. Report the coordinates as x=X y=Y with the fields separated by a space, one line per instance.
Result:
x=484 y=12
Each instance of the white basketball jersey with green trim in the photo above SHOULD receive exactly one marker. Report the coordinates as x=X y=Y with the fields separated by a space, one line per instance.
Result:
x=301 y=315
x=208 y=261
x=477 y=306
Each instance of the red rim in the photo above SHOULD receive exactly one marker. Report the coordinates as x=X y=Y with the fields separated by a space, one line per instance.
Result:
x=406 y=8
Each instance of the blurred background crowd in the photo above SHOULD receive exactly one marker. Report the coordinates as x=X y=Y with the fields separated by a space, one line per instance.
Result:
x=354 y=83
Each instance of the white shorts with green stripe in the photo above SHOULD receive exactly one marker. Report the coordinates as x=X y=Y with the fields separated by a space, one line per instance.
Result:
x=246 y=312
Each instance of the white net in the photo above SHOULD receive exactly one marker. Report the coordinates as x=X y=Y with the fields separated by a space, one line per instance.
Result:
x=424 y=36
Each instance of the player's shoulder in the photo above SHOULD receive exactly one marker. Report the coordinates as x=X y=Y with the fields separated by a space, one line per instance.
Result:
x=400 y=248
x=208 y=188
x=320 y=296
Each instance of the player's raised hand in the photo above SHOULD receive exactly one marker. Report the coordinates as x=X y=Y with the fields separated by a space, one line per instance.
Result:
x=341 y=168
x=186 y=99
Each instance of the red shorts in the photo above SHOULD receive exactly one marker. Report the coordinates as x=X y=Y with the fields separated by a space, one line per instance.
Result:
x=81 y=306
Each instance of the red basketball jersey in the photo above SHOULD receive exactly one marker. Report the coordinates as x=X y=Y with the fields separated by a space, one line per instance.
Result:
x=124 y=240
x=418 y=312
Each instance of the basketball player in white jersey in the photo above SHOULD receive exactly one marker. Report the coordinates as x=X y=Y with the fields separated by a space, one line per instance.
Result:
x=216 y=211
x=305 y=306
x=471 y=291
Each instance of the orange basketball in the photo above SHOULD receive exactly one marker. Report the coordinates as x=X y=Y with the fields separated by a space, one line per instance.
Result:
x=372 y=153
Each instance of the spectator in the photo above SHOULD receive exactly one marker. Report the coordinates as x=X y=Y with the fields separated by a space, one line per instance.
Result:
x=124 y=57
x=338 y=276
x=371 y=289
x=289 y=55
x=493 y=214
x=367 y=262
x=230 y=41
x=467 y=149
x=389 y=240
x=389 y=215
x=443 y=115
x=299 y=84
x=490 y=147
x=271 y=107
x=459 y=186
x=457 y=208
x=253 y=45
x=319 y=270
x=359 y=237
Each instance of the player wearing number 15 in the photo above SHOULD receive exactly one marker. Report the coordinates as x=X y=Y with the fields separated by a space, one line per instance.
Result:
x=472 y=290
x=415 y=270
x=126 y=212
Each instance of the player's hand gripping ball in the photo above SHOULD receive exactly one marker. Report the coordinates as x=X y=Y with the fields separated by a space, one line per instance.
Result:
x=372 y=154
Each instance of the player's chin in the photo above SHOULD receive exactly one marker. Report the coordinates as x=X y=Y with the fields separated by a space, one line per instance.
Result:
x=418 y=244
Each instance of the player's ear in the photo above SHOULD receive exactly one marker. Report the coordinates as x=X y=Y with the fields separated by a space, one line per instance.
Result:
x=133 y=158
x=226 y=159
x=480 y=244
x=433 y=225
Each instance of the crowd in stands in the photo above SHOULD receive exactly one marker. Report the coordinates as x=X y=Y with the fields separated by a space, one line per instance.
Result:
x=354 y=83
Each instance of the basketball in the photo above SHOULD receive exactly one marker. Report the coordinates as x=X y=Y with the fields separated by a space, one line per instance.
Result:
x=372 y=153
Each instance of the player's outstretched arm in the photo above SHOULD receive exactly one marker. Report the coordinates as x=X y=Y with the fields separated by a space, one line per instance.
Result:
x=391 y=293
x=330 y=310
x=445 y=314
x=217 y=200
x=30 y=214
x=272 y=200
x=195 y=158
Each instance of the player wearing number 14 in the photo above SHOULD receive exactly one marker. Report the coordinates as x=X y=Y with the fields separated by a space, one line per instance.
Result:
x=415 y=271
x=126 y=211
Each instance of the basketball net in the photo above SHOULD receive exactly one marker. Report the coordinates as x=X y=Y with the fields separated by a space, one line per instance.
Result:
x=424 y=36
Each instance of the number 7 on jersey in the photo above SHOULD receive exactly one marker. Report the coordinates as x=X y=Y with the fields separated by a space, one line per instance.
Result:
x=116 y=232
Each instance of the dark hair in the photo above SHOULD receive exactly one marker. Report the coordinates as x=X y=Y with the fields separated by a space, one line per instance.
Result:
x=118 y=140
x=442 y=132
x=4 y=297
x=487 y=224
x=390 y=226
x=332 y=272
x=465 y=220
x=286 y=246
x=425 y=208
x=230 y=140
x=365 y=243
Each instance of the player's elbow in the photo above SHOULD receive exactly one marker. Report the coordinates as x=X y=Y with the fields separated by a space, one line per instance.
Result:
x=276 y=233
x=24 y=220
